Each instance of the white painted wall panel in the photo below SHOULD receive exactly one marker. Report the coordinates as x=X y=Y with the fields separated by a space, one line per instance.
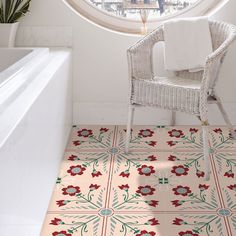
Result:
x=100 y=66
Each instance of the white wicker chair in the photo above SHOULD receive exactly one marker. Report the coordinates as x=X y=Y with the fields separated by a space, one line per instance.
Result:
x=187 y=92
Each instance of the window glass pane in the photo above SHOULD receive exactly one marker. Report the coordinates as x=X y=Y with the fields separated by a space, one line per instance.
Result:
x=131 y=8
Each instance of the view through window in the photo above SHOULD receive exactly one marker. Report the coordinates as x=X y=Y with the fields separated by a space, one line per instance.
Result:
x=130 y=9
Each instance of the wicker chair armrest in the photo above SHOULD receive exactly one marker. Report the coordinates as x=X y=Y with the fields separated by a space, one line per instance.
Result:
x=140 y=55
x=212 y=68
x=224 y=30
x=214 y=61
x=220 y=52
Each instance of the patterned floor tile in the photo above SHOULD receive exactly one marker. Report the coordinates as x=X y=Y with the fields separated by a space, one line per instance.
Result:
x=132 y=224
x=221 y=139
x=224 y=166
x=87 y=138
x=225 y=163
x=82 y=183
x=232 y=223
x=137 y=224
x=166 y=224
x=149 y=181
x=181 y=138
x=92 y=162
x=72 y=224
x=142 y=138
x=158 y=189
x=196 y=224
x=161 y=137
x=177 y=163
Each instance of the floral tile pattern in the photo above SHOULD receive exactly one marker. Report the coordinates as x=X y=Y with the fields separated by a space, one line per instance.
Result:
x=158 y=189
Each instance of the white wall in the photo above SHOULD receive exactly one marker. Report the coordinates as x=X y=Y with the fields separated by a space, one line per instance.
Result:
x=100 y=67
x=227 y=83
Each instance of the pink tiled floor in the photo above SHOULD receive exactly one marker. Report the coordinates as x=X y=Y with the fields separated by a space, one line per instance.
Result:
x=156 y=190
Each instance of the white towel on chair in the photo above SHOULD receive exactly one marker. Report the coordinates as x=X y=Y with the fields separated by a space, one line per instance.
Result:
x=187 y=43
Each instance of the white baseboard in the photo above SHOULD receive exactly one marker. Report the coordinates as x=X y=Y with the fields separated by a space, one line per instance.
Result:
x=116 y=113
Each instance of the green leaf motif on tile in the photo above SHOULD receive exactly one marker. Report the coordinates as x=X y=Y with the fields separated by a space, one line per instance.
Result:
x=113 y=226
x=163 y=181
x=233 y=219
x=58 y=180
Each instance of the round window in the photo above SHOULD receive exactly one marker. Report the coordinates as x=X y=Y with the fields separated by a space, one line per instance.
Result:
x=131 y=9
x=136 y=16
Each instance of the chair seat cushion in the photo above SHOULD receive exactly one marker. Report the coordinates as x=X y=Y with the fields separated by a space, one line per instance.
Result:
x=172 y=93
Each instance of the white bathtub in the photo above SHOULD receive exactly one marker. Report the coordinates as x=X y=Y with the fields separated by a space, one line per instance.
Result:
x=9 y=56
x=35 y=118
x=16 y=68
x=14 y=60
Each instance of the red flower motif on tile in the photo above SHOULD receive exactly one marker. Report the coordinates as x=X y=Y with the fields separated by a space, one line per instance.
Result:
x=62 y=202
x=103 y=130
x=145 y=190
x=172 y=158
x=61 y=233
x=180 y=170
x=229 y=174
x=77 y=143
x=193 y=130
x=124 y=187
x=152 y=203
x=232 y=187
x=146 y=233
x=218 y=131
x=178 y=221
x=203 y=187
x=71 y=190
x=187 y=233
x=76 y=170
x=73 y=158
x=200 y=173
x=177 y=203
x=93 y=187
x=152 y=143
x=96 y=173
x=171 y=143
x=181 y=190
x=125 y=174
x=56 y=221
x=145 y=133
x=85 y=133
x=146 y=170
x=176 y=133
x=151 y=158
x=153 y=221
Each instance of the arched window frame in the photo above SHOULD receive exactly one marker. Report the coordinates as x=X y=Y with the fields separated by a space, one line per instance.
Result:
x=131 y=26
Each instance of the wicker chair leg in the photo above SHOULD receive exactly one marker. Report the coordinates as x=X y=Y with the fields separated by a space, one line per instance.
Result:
x=173 y=118
x=128 y=130
x=206 y=149
x=226 y=117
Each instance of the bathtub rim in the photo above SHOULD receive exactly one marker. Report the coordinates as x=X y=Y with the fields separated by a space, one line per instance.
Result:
x=13 y=113
x=16 y=68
